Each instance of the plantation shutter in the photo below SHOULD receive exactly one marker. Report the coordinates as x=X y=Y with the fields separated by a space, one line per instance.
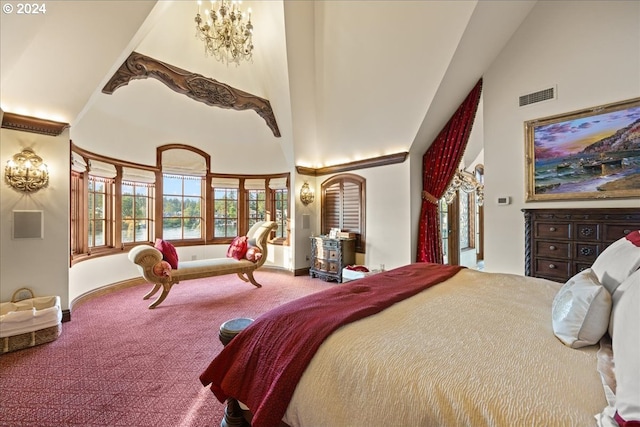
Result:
x=351 y=207
x=332 y=207
x=343 y=206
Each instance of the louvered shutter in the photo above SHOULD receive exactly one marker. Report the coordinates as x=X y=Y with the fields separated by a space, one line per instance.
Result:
x=351 y=207
x=332 y=207
x=343 y=207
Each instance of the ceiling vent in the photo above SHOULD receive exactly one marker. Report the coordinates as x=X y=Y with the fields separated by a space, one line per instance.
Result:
x=539 y=96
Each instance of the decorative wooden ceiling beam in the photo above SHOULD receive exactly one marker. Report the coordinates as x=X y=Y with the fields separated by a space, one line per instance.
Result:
x=32 y=124
x=389 y=159
x=195 y=86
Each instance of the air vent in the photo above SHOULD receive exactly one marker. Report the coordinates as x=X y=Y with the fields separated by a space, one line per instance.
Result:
x=541 y=95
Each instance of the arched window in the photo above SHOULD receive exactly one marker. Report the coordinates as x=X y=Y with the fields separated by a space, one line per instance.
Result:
x=343 y=206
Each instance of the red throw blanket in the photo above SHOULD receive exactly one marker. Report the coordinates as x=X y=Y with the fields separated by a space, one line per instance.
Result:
x=262 y=365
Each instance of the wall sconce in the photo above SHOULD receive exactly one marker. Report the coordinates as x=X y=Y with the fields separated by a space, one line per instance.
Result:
x=26 y=172
x=306 y=194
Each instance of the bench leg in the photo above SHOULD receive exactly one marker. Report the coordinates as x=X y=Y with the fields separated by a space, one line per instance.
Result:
x=156 y=288
x=241 y=276
x=165 y=291
x=252 y=280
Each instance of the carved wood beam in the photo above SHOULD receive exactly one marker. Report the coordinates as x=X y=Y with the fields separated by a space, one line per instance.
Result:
x=33 y=124
x=195 y=86
x=389 y=159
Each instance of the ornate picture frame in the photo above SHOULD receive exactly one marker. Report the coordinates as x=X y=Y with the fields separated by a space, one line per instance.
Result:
x=587 y=154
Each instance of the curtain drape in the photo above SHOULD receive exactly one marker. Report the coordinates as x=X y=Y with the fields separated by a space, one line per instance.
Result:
x=439 y=164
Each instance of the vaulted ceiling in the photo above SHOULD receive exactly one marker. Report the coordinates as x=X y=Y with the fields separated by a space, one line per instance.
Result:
x=347 y=80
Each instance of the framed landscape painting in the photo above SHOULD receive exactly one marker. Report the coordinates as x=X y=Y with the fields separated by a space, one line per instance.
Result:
x=587 y=154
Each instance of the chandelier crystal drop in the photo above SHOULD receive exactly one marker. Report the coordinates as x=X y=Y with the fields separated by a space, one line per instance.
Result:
x=227 y=36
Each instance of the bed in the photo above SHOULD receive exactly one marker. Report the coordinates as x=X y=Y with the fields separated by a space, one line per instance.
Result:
x=463 y=348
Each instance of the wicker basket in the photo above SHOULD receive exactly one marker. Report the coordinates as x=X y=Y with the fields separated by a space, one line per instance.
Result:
x=27 y=321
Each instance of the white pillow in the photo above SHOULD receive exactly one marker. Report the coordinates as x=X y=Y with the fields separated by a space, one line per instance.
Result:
x=580 y=310
x=618 y=261
x=626 y=350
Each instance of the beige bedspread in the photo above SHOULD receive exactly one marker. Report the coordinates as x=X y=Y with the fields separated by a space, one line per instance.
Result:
x=476 y=350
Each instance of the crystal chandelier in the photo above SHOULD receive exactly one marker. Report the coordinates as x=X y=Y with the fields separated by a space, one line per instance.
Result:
x=224 y=32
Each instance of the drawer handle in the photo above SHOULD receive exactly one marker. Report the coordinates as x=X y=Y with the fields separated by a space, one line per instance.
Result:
x=552 y=229
x=586 y=231
x=586 y=251
x=552 y=266
x=552 y=248
x=625 y=232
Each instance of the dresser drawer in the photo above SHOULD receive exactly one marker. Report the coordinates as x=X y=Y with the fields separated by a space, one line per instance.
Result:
x=553 y=249
x=586 y=252
x=552 y=268
x=320 y=264
x=333 y=255
x=586 y=231
x=553 y=230
x=331 y=244
x=613 y=232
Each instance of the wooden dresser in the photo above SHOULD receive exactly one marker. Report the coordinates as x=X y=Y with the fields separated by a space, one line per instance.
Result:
x=559 y=243
x=330 y=256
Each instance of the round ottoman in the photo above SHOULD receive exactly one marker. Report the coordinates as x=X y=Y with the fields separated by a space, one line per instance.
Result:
x=233 y=327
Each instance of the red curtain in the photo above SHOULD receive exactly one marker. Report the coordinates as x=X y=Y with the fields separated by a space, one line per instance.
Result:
x=439 y=164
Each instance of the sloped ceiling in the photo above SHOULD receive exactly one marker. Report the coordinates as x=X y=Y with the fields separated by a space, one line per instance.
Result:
x=347 y=80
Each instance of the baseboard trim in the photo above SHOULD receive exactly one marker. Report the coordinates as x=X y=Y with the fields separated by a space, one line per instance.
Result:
x=103 y=290
x=301 y=271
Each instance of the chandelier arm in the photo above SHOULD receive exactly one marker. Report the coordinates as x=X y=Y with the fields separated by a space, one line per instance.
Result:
x=195 y=86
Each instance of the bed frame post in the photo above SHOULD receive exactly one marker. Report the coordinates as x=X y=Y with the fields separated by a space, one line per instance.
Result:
x=233 y=413
x=233 y=416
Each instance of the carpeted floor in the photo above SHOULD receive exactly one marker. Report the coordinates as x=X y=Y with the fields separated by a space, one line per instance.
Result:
x=117 y=363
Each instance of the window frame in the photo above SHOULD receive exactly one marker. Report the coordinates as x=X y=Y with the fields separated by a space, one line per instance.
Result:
x=183 y=197
x=150 y=206
x=79 y=218
x=243 y=207
x=341 y=179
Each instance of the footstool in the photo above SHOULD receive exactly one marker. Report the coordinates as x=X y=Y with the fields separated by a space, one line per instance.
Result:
x=231 y=328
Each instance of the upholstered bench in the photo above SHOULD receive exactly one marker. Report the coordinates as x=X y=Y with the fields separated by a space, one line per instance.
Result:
x=147 y=257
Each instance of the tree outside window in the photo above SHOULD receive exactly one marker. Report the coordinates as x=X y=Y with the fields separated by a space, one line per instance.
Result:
x=182 y=207
x=137 y=208
x=225 y=212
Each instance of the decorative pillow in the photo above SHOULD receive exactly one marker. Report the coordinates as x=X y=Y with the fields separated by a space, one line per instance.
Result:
x=169 y=253
x=254 y=254
x=626 y=352
x=162 y=268
x=618 y=261
x=238 y=248
x=580 y=310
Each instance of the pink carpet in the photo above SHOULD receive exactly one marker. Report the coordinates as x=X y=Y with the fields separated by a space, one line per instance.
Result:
x=117 y=363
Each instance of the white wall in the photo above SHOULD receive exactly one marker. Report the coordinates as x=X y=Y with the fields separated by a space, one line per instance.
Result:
x=388 y=224
x=591 y=51
x=39 y=264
